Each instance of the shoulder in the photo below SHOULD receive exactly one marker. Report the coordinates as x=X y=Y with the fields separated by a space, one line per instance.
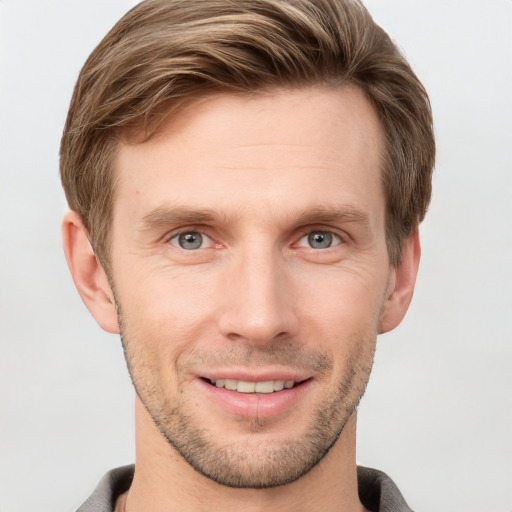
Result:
x=378 y=492
x=112 y=485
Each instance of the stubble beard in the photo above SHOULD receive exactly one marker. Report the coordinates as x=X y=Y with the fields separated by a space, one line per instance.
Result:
x=256 y=465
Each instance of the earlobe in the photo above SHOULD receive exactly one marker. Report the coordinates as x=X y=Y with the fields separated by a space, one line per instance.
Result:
x=401 y=285
x=88 y=274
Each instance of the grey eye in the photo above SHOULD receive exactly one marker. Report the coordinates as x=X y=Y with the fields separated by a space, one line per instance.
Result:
x=320 y=239
x=188 y=241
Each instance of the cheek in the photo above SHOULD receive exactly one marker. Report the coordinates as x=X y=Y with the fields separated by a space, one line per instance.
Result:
x=350 y=297
x=163 y=312
x=163 y=294
x=340 y=311
x=173 y=310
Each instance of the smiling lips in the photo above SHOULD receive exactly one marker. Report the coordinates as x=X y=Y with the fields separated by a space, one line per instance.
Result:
x=263 y=398
x=242 y=386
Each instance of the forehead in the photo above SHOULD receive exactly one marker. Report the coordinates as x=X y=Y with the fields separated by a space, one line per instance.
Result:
x=277 y=149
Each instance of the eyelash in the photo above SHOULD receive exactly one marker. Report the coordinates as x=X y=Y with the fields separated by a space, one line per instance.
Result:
x=336 y=238
x=176 y=236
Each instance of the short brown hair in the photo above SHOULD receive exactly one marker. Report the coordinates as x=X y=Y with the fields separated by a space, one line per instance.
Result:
x=165 y=53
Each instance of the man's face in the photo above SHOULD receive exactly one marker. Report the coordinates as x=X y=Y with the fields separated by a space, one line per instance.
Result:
x=248 y=255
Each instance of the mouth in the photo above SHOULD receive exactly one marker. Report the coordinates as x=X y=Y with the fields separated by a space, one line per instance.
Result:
x=256 y=398
x=260 y=387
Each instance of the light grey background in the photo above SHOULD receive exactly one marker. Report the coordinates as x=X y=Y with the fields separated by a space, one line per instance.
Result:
x=438 y=413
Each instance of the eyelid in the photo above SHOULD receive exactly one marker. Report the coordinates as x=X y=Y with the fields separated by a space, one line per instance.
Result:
x=303 y=233
x=186 y=228
x=175 y=234
x=307 y=230
x=337 y=240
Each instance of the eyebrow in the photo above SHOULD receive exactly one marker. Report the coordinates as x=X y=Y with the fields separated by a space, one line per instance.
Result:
x=344 y=214
x=165 y=216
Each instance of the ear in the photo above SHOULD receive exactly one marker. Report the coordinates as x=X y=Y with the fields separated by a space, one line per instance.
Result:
x=89 y=277
x=401 y=285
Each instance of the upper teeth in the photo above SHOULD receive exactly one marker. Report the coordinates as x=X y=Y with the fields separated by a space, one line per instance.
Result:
x=242 y=386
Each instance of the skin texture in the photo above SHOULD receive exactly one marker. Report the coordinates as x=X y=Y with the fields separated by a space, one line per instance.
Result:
x=250 y=182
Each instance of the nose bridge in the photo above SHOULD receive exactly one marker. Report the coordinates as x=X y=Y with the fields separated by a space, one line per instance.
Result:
x=259 y=307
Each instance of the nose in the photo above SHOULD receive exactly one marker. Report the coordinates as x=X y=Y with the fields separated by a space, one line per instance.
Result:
x=258 y=299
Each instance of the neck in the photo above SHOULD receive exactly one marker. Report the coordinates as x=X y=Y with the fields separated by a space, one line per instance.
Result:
x=164 y=481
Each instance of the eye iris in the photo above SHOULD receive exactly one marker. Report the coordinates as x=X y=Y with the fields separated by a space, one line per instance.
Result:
x=320 y=240
x=190 y=241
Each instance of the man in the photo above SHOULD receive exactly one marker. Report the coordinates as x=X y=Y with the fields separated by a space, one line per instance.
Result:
x=246 y=180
